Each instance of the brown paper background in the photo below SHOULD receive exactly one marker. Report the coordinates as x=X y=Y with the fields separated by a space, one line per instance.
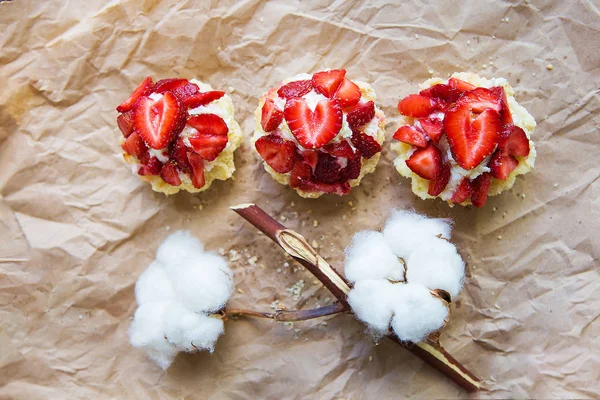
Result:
x=77 y=227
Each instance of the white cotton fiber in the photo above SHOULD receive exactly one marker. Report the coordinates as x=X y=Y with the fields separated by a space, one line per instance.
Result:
x=370 y=257
x=174 y=295
x=437 y=265
x=372 y=302
x=405 y=230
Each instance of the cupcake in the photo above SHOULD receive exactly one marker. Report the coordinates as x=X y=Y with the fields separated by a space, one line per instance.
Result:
x=179 y=134
x=319 y=133
x=463 y=139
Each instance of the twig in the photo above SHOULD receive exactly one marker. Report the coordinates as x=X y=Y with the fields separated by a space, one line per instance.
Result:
x=288 y=315
x=430 y=350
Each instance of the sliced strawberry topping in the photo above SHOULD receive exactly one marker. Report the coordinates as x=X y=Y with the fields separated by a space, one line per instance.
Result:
x=352 y=170
x=271 y=116
x=427 y=162
x=152 y=167
x=134 y=145
x=501 y=165
x=360 y=114
x=301 y=175
x=514 y=141
x=278 y=153
x=348 y=94
x=411 y=135
x=481 y=99
x=437 y=185
x=459 y=85
x=211 y=138
x=433 y=127
x=181 y=88
x=159 y=121
x=341 y=149
x=417 y=106
x=366 y=145
x=125 y=123
x=505 y=115
x=328 y=169
x=481 y=185
x=178 y=153
x=142 y=90
x=313 y=129
x=463 y=191
x=295 y=89
x=470 y=142
x=169 y=174
x=445 y=93
x=328 y=82
x=310 y=157
x=202 y=98
x=197 y=173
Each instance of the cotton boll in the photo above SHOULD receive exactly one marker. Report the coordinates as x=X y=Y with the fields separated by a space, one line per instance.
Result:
x=153 y=285
x=177 y=247
x=147 y=332
x=190 y=331
x=437 y=265
x=417 y=312
x=405 y=230
x=370 y=257
x=372 y=302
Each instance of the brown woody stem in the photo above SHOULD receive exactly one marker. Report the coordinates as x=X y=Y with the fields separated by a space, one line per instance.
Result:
x=430 y=350
x=288 y=315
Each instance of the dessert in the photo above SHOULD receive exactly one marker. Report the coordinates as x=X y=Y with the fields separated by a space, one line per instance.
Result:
x=319 y=133
x=463 y=139
x=179 y=134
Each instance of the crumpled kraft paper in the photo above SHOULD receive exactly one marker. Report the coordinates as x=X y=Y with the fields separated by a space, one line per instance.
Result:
x=77 y=227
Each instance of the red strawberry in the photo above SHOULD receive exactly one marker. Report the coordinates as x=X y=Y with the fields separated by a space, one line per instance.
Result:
x=328 y=170
x=178 y=153
x=445 y=93
x=142 y=90
x=352 y=170
x=181 y=88
x=294 y=89
x=470 y=142
x=415 y=105
x=271 y=116
x=433 y=127
x=437 y=185
x=341 y=149
x=211 y=138
x=361 y=114
x=152 y=167
x=278 y=153
x=313 y=129
x=197 y=173
x=366 y=145
x=125 y=123
x=481 y=185
x=514 y=141
x=159 y=121
x=459 y=85
x=301 y=175
x=411 y=135
x=202 y=98
x=427 y=162
x=310 y=157
x=463 y=191
x=481 y=99
x=348 y=94
x=134 y=145
x=327 y=82
x=501 y=165
x=505 y=115
x=169 y=174
x=340 y=189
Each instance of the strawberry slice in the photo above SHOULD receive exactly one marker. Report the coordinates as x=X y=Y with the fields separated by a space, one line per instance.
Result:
x=366 y=145
x=501 y=165
x=360 y=115
x=313 y=129
x=481 y=185
x=514 y=141
x=300 y=175
x=411 y=135
x=463 y=191
x=505 y=115
x=295 y=89
x=341 y=149
x=310 y=157
x=211 y=138
x=125 y=123
x=481 y=99
x=169 y=174
x=271 y=116
x=178 y=154
x=278 y=153
x=470 y=142
x=459 y=85
x=197 y=173
x=328 y=82
x=202 y=98
x=445 y=93
x=142 y=90
x=159 y=121
x=415 y=105
x=352 y=170
x=348 y=94
x=134 y=145
x=433 y=127
x=437 y=185
x=328 y=170
x=181 y=88
x=427 y=162
x=151 y=167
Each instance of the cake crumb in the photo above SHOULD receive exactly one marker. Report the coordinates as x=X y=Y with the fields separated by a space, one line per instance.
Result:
x=231 y=89
x=468 y=42
x=370 y=358
x=523 y=196
x=292 y=204
x=556 y=185
x=315 y=223
x=309 y=212
x=240 y=291
x=484 y=66
x=344 y=216
x=233 y=255
x=252 y=260
x=221 y=251
x=315 y=244
x=351 y=204
x=549 y=67
x=296 y=289
x=315 y=281
x=499 y=237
